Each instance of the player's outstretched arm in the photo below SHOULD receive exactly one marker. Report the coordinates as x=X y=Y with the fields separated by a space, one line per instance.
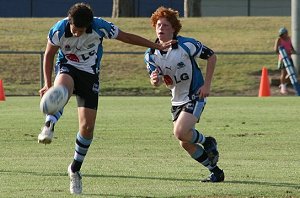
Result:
x=138 y=40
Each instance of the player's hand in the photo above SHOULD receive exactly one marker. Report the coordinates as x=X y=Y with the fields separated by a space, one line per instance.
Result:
x=166 y=45
x=154 y=78
x=204 y=91
x=43 y=90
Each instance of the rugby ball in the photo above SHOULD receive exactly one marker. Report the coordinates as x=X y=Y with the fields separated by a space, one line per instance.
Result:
x=54 y=100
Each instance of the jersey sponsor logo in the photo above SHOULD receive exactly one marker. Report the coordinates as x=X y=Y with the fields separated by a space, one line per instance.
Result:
x=170 y=68
x=180 y=65
x=67 y=48
x=87 y=56
x=182 y=77
x=91 y=45
x=84 y=57
x=72 y=57
x=168 y=80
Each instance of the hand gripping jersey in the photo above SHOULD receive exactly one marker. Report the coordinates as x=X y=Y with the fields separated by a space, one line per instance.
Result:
x=84 y=52
x=179 y=68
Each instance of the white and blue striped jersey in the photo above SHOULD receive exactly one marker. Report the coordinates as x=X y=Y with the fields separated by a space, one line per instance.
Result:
x=84 y=52
x=179 y=68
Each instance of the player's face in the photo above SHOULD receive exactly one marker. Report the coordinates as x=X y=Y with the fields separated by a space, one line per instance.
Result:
x=164 y=30
x=77 y=32
x=285 y=35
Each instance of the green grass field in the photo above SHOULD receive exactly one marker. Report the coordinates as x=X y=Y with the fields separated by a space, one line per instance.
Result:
x=126 y=74
x=134 y=153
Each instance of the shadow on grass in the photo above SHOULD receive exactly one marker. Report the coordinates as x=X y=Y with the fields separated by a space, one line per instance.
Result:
x=265 y=183
x=113 y=195
x=247 y=182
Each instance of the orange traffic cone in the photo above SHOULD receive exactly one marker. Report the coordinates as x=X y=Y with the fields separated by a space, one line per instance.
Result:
x=2 y=94
x=264 y=88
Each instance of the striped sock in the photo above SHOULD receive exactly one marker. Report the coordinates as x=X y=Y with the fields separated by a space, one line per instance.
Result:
x=81 y=148
x=201 y=157
x=197 y=137
x=54 y=118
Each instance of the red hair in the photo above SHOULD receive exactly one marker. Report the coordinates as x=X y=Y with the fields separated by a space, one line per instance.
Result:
x=168 y=13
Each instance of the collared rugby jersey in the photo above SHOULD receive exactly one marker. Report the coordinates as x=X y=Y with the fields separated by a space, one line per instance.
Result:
x=84 y=52
x=179 y=68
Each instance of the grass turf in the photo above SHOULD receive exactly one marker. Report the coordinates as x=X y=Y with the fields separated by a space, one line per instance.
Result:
x=134 y=153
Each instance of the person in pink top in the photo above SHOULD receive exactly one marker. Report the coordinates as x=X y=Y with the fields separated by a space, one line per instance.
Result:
x=283 y=40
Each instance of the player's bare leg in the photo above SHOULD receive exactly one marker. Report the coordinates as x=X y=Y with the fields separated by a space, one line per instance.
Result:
x=84 y=139
x=283 y=82
x=46 y=135
x=190 y=139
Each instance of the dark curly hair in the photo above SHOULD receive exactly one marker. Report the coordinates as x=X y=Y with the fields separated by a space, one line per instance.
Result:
x=80 y=15
x=168 y=13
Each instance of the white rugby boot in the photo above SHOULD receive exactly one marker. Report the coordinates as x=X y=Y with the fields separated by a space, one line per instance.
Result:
x=46 y=135
x=75 y=181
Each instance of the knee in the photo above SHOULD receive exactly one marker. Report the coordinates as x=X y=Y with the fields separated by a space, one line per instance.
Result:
x=180 y=134
x=177 y=134
x=183 y=144
x=187 y=146
x=87 y=129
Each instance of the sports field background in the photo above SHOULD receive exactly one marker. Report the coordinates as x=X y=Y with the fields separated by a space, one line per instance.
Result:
x=134 y=153
x=126 y=74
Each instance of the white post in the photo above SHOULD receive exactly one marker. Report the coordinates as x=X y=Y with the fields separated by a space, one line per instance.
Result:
x=295 y=12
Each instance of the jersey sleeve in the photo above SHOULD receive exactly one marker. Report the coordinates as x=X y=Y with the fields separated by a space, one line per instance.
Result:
x=54 y=39
x=105 y=28
x=206 y=53
x=56 y=32
x=151 y=66
x=197 y=49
